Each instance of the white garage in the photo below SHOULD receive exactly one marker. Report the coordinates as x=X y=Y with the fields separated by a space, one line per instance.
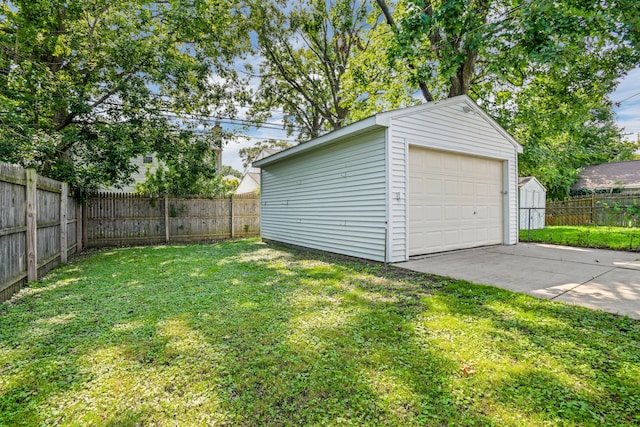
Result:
x=430 y=178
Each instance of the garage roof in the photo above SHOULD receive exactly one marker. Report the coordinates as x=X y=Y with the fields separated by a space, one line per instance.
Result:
x=382 y=120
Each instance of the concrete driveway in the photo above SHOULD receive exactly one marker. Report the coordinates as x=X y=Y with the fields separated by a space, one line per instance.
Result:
x=594 y=278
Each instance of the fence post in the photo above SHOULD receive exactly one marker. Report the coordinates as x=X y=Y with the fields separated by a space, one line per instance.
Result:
x=85 y=223
x=166 y=218
x=63 y=221
x=78 y=227
x=231 y=217
x=32 y=226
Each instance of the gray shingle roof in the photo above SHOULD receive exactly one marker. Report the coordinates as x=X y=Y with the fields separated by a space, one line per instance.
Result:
x=608 y=175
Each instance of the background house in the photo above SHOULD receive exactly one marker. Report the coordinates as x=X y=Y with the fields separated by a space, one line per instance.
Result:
x=615 y=177
x=423 y=179
x=141 y=162
x=250 y=182
x=532 y=201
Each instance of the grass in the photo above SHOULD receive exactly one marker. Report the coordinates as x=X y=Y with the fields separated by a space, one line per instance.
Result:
x=241 y=333
x=619 y=238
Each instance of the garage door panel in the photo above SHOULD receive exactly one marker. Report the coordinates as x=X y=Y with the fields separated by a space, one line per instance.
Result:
x=467 y=188
x=451 y=186
x=455 y=201
x=452 y=212
x=432 y=186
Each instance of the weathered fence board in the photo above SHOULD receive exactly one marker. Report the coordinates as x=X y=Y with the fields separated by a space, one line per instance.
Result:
x=41 y=224
x=32 y=221
x=596 y=209
x=126 y=219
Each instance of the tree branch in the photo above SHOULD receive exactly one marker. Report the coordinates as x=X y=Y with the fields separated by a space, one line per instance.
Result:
x=423 y=86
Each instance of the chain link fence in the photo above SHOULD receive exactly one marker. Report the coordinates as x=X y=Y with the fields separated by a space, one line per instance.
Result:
x=617 y=210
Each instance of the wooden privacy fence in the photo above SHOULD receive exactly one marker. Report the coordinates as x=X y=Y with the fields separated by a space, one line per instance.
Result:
x=126 y=219
x=596 y=209
x=39 y=226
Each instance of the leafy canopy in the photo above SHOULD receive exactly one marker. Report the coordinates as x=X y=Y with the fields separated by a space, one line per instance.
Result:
x=543 y=68
x=85 y=85
x=309 y=67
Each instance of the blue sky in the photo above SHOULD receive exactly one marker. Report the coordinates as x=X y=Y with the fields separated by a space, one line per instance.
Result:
x=628 y=113
x=627 y=116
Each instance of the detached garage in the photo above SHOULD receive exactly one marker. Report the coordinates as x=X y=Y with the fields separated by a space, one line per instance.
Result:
x=423 y=179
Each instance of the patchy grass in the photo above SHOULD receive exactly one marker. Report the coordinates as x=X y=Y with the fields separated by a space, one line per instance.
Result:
x=241 y=333
x=619 y=238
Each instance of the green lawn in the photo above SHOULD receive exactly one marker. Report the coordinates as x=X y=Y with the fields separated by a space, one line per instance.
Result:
x=619 y=238
x=241 y=333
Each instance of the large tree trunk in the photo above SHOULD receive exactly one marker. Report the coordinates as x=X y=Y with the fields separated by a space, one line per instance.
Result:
x=461 y=82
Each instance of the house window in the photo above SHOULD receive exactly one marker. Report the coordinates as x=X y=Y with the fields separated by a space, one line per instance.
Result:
x=147 y=159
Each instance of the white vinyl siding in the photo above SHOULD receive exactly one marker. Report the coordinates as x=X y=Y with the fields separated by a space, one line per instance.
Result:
x=511 y=212
x=449 y=128
x=331 y=198
x=398 y=198
x=341 y=191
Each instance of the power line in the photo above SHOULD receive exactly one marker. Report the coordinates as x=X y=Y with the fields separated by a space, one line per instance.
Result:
x=627 y=98
x=210 y=119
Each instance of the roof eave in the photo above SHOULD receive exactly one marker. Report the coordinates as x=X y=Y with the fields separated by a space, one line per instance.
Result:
x=355 y=128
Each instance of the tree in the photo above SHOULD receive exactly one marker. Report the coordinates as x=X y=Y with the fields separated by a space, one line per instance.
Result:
x=248 y=154
x=88 y=84
x=188 y=169
x=306 y=49
x=543 y=69
x=451 y=45
x=230 y=171
x=562 y=125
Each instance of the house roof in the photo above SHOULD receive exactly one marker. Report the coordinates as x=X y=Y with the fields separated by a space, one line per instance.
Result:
x=382 y=120
x=524 y=180
x=254 y=176
x=610 y=175
x=266 y=152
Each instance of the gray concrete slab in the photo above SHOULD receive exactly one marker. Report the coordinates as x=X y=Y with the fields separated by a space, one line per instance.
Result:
x=594 y=278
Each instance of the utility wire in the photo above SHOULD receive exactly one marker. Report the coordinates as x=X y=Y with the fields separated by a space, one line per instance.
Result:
x=627 y=98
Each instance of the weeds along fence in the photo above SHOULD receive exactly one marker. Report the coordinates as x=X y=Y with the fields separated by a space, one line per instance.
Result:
x=126 y=219
x=619 y=210
x=39 y=226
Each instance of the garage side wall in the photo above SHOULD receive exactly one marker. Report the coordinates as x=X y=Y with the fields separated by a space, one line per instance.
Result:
x=331 y=199
x=451 y=128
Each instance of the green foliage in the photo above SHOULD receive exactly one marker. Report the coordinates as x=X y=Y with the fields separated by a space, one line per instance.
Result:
x=86 y=84
x=229 y=170
x=544 y=69
x=167 y=180
x=308 y=70
x=241 y=333
x=603 y=237
x=630 y=212
x=376 y=79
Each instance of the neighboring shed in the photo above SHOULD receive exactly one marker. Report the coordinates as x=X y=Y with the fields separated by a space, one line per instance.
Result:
x=532 y=202
x=618 y=177
x=423 y=179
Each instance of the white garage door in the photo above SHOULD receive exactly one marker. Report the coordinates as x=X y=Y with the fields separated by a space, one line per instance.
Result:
x=455 y=201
